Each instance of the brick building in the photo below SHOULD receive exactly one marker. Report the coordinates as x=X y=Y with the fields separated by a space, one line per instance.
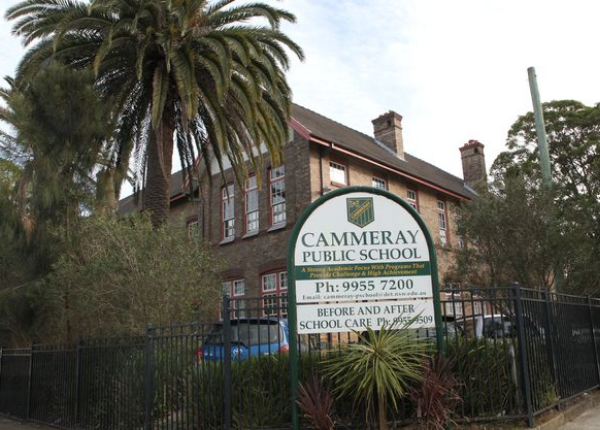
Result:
x=250 y=226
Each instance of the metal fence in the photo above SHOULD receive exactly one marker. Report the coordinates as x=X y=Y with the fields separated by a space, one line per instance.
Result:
x=514 y=352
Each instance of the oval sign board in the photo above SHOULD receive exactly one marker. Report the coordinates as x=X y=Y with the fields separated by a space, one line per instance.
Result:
x=361 y=257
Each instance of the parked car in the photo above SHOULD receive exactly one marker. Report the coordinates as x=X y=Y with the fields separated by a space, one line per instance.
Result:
x=450 y=327
x=450 y=330
x=250 y=337
x=496 y=326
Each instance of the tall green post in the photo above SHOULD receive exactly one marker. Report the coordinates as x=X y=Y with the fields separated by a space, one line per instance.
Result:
x=540 y=129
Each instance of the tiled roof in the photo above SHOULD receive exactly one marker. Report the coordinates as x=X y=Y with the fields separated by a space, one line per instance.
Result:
x=331 y=131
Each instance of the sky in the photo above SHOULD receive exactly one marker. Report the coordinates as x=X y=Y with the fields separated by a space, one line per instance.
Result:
x=455 y=70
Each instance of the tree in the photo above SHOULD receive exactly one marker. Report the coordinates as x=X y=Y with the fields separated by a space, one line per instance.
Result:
x=16 y=269
x=511 y=234
x=118 y=275
x=203 y=75
x=60 y=134
x=558 y=228
x=56 y=138
x=573 y=134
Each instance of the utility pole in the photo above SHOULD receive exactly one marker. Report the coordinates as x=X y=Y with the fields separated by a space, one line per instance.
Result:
x=540 y=127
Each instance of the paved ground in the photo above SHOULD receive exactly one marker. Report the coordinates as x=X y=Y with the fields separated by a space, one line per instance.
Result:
x=589 y=420
x=6 y=424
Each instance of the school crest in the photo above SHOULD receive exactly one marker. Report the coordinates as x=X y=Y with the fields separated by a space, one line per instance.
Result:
x=360 y=211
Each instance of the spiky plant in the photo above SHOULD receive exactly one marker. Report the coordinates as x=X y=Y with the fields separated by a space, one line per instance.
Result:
x=378 y=369
x=316 y=402
x=436 y=395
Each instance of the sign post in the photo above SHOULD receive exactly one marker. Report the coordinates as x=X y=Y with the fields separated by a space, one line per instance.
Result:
x=359 y=257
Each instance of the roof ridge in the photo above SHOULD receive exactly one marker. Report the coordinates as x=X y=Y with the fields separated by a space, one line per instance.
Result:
x=388 y=149
x=436 y=167
x=381 y=145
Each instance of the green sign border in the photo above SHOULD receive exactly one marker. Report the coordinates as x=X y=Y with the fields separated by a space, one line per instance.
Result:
x=291 y=264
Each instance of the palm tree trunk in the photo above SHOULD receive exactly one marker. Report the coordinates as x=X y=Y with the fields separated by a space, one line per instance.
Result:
x=106 y=191
x=158 y=176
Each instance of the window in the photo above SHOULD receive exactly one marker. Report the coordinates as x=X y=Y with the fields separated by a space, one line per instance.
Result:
x=337 y=173
x=239 y=287
x=441 y=206
x=274 y=292
x=251 y=205
x=236 y=288
x=379 y=183
x=454 y=308
x=461 y=242
x=277 y=195
x=193 y=228
x=228 y=213
x=412 y=199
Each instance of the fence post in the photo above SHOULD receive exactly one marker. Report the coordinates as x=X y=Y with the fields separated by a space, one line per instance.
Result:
x=593 y=333
x=1 y=370
x=148 y=377
x=548 y=335
x=77 y=378
x=226 y=362
x=526 y=383
x=28 y=409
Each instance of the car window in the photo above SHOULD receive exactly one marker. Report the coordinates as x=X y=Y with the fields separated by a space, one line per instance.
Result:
x=449 y=330
x=497 y=327
x=247 y=334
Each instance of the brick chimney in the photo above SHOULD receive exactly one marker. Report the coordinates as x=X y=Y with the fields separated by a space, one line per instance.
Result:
x=387 y=129
x=473 y=163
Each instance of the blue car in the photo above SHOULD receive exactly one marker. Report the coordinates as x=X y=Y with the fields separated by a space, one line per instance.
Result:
x=250 y=337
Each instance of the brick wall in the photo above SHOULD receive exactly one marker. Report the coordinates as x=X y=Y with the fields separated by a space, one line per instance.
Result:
x=362 y=173
x=306 y=178
x=249 y=256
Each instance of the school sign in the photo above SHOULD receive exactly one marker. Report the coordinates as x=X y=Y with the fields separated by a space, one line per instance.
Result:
x=361 y=257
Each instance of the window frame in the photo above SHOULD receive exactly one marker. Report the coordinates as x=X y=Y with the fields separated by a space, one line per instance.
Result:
x=238 y=306
x=375 y=179
x=247 y=190
x=280 y=292
x=227 y=198
x=413 y=202
x=442 y=212
x=283 y=213
x=193 y=228
x=344 y=168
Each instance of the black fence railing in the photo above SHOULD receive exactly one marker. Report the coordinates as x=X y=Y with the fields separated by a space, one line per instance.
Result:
x=514 y=352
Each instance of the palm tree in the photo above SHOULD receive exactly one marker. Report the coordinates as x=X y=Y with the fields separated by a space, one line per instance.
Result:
x=206 y=76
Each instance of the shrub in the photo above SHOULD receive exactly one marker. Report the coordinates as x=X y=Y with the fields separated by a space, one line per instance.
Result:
x=117 y=275
x=316 y=402
x=435 y=395
x=486 y=373
x=378 y=369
